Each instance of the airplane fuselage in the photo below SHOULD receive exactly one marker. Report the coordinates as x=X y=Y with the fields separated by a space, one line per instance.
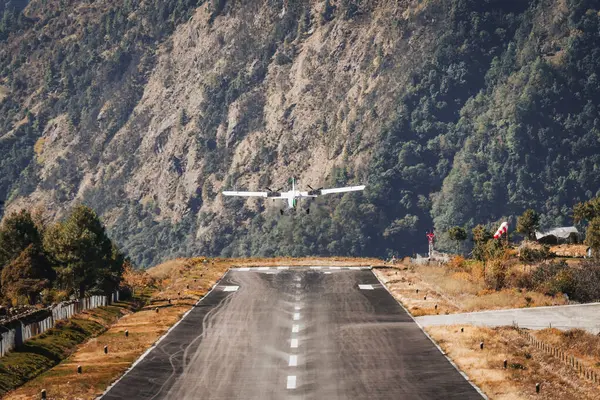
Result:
x=293 y=196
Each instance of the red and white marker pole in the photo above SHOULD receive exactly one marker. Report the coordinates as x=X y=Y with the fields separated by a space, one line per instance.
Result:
x=430 y=238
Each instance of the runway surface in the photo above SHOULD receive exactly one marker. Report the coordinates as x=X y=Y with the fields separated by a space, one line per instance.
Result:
x=579 y=316
x=297 y=333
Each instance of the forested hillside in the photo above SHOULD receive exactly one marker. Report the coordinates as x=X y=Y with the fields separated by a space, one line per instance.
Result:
x=453 y=112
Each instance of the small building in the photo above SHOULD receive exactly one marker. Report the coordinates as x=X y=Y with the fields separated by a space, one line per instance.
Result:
x=567 y=234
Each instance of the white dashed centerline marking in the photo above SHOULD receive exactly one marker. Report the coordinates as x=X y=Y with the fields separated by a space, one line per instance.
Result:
x=294 y=344
x=316 y=267
x=295 y=328
x=297 y=308
x=335 y=267
x=293 y=361
x=283 y=267
x=230 y=288
x=328 y=272
x=291 y=382
x=296 y=316
x=365 y=287
x=263 y=268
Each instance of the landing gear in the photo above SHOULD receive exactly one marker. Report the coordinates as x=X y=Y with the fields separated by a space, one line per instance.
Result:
x=281 y=212
x=307 y=211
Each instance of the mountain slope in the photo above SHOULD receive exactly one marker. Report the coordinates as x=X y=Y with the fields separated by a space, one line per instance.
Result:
x=453 y=111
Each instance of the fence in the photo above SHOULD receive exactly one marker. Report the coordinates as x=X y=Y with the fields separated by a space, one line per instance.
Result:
x=575 y=363
x=436 y=257
x=16 y=332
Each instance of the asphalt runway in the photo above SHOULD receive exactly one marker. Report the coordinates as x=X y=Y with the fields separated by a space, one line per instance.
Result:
x=297 y=333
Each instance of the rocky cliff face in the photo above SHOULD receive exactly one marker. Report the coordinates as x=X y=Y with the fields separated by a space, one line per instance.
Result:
x=148 y=122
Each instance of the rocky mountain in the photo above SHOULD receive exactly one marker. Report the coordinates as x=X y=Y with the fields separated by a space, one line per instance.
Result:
x=454 y=112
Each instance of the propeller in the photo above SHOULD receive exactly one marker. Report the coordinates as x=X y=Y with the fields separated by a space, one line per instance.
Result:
x=314 y=192
x=273 y=193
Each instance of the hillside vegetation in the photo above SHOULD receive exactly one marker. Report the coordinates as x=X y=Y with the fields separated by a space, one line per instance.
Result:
x=47 y=263
x=453 y=112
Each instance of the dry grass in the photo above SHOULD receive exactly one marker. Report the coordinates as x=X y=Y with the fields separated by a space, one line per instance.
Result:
x=183 y=281
x=454 y=291
x=570 y=250
x=4 y=91
x=526 y=364
x=145 y=327
x=575 y=342
x=99 y=369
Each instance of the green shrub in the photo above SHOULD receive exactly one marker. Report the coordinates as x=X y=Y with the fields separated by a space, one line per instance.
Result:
x=494 y=249
x=586 y=281
x=520 y=279
x=553 y=278
x=496 y=274
x=533 y=255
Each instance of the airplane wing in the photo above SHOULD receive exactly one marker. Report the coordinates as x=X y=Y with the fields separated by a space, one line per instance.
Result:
x=246 y=194
x=343 y=189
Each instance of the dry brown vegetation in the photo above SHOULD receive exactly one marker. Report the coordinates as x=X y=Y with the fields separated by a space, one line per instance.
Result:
x=569 y=250
x=527 y=365
x=99 y=369
x=183 y=282
x=576 y=342
x=3 y=92
x=460 y=286
x=457 y=289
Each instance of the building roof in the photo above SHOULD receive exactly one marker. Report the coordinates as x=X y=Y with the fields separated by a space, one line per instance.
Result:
x=562 y=233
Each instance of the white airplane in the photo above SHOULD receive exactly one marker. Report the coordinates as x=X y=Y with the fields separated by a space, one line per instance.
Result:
x=292 y=196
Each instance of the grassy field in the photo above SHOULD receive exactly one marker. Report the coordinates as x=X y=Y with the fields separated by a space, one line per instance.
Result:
x=49 y=348
x=421 y=287
x=183 y=282
x=526 y=364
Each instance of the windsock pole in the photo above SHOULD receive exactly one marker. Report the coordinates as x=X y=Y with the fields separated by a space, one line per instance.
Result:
x=503 y=229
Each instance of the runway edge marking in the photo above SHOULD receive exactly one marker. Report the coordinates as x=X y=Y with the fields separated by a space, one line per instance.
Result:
x=433 y=341
x=144 y=354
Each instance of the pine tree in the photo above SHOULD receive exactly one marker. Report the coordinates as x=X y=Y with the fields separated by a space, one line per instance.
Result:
x=528 y=223
x=592 y=235
x=183 y=119
x=27 y=275
x=328 y=10
x=587 y=211
x=480 y=238
x=49 y=81
x=17 y=232
x=84 y=254
x=457 y=234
